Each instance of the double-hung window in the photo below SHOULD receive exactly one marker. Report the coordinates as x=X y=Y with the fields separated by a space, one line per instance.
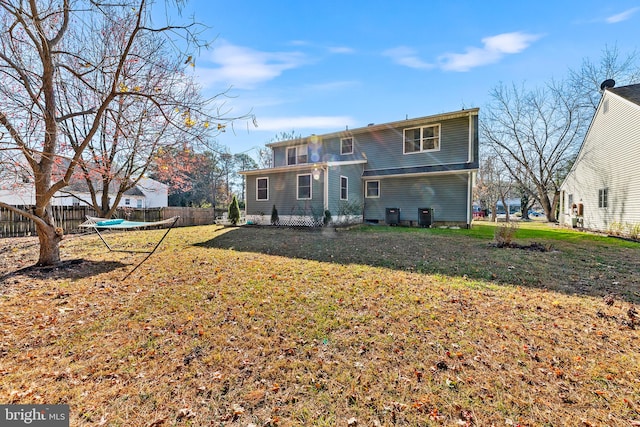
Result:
x=425 y=138
x=344 y=188
x=304 y=187
x=262 y=188
x=346 y=146
x=603 y=198
x=372 y=189
x=296 y=155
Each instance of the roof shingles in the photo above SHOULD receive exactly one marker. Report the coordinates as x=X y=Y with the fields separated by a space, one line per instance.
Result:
x=630 y=92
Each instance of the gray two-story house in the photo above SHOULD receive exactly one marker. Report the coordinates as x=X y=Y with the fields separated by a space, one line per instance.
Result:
x=413 y=172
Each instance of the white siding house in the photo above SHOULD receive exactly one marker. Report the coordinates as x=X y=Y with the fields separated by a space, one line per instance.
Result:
x=156 y=194
x=602 y=190
x=148 y=193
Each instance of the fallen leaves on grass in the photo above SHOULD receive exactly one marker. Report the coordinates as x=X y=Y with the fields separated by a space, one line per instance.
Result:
x=247 y=338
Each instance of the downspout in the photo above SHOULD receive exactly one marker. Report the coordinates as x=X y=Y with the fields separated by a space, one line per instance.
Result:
x=325 y=169
x=469 y=198
x=470 y=150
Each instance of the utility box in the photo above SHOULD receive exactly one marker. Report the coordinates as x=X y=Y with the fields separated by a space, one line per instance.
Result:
x=425 y=217
x=392 y=216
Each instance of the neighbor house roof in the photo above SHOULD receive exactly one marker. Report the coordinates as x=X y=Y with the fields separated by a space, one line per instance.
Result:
x=80 y=186
x=630 y=92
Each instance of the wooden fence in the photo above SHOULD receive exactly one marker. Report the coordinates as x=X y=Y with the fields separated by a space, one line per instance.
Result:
x=70 y=218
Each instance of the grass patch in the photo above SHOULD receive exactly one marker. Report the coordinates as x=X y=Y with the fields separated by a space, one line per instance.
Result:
x=284 y=327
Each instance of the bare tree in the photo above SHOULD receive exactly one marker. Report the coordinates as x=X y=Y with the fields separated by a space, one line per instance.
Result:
x=265 y=158
x=534 y=134
x=134 y=128
x=265 y=155
x=585 y=81
x=53 y=74
x=494 y=184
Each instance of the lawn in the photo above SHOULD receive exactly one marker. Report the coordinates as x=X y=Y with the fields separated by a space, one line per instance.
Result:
x=366 y=326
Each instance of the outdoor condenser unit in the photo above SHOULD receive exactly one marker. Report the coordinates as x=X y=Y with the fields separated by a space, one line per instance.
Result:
x=392 y=216
x=425 y=217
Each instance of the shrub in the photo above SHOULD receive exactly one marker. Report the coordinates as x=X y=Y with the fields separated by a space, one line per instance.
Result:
x=234 y=211
x=504 y=234
x=327 y=217
x=275 y=219
x=616 y=229
x=634 y=231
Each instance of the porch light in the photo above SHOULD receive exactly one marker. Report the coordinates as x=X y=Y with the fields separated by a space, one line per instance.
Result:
x=316 y=173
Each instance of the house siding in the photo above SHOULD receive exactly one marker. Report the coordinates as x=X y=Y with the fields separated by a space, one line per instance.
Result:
x=608 y=159
x=384 y=148
x=354 y=190
x=446 y=194
x=283 y=194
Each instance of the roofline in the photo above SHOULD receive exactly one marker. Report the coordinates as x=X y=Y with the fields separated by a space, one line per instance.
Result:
x=457 y=172
x=290 y=168
x=389 y=125
x=421 y=170
x=303 y=166
x=622 y=98
x=586 y=134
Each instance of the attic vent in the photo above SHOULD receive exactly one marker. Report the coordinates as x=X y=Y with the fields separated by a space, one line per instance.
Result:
x=607 y=84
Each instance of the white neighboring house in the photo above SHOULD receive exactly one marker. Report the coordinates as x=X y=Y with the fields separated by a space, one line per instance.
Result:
x=148 y=193
x=17 y=193
x=602 y=190
x=156 y=194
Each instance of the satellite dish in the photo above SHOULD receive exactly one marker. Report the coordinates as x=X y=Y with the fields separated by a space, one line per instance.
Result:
x=607 y=84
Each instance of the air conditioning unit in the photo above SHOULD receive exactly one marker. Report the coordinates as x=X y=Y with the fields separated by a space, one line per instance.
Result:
x=425 y=217
x=392 y=216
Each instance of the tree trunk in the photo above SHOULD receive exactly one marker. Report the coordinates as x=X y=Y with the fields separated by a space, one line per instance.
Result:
x=547 y=206
x=50 y=237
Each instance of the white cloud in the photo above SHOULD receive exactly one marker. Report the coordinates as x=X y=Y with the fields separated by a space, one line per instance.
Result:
x=245 y=68
x=406 y=56
x=304 y=122
x=341 y=49
x=627 y=14
x=495 y=47
x=333 y=86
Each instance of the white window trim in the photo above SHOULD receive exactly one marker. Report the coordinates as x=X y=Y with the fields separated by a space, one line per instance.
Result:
x=603 y=198
x=298 y=187
x=343 y=153
x=422 y=150
x=347 y=189
x=366 y=189
x=257 y=198
x=298 y=149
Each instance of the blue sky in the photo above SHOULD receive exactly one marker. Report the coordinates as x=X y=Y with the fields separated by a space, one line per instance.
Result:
x=318 y=67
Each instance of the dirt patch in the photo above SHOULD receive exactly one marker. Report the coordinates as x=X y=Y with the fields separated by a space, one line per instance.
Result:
x=533 y=246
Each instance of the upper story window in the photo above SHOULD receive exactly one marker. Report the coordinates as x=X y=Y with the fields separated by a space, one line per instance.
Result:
x=262 y=188
x=304 y=187
x=139 y=203
x=127 y=202
x=425 y=138
x=297 y=155
x=346 y=146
